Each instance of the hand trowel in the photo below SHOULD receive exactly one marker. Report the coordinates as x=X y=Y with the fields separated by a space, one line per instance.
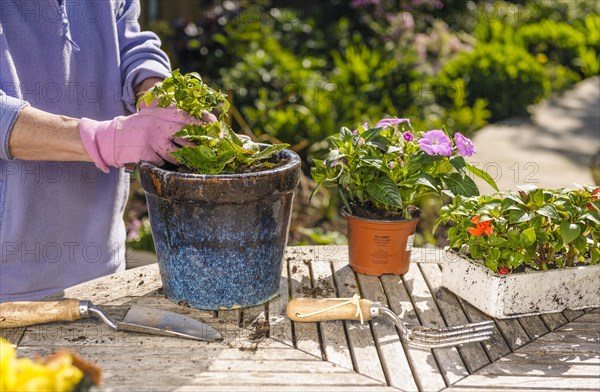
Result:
x=138 y=319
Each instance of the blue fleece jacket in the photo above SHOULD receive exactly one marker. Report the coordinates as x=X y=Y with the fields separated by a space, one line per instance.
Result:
x=61 y=222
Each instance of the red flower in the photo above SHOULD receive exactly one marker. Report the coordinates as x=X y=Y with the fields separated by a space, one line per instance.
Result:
x=503 y=270
x=480 y=228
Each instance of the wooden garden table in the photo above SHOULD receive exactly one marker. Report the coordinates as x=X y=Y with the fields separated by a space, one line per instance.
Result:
x=558 y=351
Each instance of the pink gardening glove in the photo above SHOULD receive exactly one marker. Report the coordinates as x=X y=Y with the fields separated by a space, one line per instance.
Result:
x=143 y=136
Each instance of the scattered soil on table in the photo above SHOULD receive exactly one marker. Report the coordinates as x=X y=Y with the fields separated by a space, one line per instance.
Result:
x=260 y=331
x=252 y=348
x=323 y=290
x=294 y=269
x=77 y=339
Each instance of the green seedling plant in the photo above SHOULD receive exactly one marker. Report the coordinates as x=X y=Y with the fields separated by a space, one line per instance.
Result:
x=216 y=149
x=534 y=227
x=388 y=166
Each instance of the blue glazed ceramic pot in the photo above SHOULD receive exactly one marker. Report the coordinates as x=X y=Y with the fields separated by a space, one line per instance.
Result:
x=220 y=239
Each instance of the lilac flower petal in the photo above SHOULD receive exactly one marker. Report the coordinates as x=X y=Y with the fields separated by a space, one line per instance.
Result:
x=436 y=142
x=388 y=122
x=464 y=145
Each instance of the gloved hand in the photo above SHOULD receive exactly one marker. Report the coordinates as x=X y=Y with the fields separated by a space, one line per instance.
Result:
x=143 y=136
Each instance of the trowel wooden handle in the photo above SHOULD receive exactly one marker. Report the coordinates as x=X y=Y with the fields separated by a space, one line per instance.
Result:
x=22 y=314
x=300 y=309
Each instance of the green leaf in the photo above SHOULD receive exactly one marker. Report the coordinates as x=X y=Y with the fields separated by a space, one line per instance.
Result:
x=519 y=216
x=538 y=197
x=461 y=185
x=368 y=135
x=483 y=175
x=458 y=162
x=528 y=236
x=569 y=231
x=428 y=181
x=548 y=211
x=384 y=191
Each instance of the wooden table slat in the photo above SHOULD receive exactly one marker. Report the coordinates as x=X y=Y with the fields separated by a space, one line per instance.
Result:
x=280 y=327
x=360 y=337
x=473 y=355
x=425 y=368
x=534 y=326
x=448 y=359
x=387 y=339
x=553 y=320
x=333 y=334
x=496 y=346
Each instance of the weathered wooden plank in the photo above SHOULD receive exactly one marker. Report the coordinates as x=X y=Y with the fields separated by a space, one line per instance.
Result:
x=531 y=382
x=13 y=335
x=577 y=327
x=545 y=358
x=572 y=314
x=269 y=351
x=300 y=366
x=502 y=368
x=425 y=369
x=391 y=352
x=553 y=320
x=562 y=347
x=306 y=335
x=280 y=326
x=287 y=388
x=591 y=317
x=473 y=354
x=572 y=337
x=500 y=389
x=449 y=360
x=533 y=326
x=333 y=333
x=513 y=333
x=135 y=282
x=496 y=346
x=360 y=337
x=289 y=378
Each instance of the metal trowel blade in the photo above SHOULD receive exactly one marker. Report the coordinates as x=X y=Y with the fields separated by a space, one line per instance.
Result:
x=160 y=322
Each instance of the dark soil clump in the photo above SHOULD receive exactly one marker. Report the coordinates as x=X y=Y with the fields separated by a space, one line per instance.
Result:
x=369 y=211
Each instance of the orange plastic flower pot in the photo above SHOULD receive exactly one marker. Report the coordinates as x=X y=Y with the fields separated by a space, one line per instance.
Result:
x=379 y=247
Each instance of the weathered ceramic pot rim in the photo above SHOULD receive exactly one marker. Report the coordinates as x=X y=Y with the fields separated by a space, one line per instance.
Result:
x=222 y=188
x=480 y=264
x=294 y=160
x=345 y=213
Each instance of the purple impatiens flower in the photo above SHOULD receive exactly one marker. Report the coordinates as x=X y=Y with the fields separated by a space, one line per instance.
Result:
x=408 y=136
x=388 y=122
x=436 y=142
x=464 y=145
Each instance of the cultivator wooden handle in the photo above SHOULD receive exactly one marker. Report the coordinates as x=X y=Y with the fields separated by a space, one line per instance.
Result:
x=313 y=309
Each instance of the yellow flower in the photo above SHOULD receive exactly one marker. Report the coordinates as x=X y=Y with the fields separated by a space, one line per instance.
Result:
x=541 y=58
x=22 y=374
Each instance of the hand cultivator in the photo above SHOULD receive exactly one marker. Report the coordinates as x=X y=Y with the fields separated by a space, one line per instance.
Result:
x=311 y=310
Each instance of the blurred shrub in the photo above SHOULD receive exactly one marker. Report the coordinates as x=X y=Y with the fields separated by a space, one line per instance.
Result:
x=558 y=42
x=506 y=76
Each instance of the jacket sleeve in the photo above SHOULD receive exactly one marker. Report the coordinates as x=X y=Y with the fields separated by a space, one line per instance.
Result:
x=141 y=56
x=10 y=108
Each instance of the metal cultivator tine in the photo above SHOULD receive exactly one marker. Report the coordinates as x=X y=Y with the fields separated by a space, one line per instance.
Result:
x=427 y=337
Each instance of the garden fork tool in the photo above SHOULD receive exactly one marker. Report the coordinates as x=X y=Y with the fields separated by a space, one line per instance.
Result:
x=311 y=310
